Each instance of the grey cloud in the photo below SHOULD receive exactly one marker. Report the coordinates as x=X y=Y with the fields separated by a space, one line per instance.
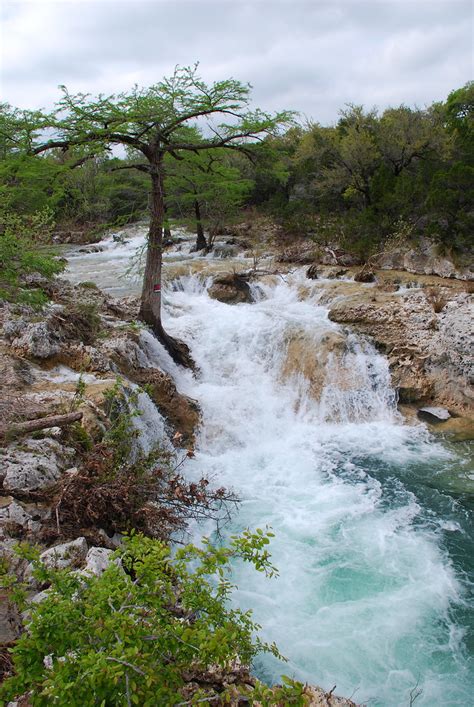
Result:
x=309 y=55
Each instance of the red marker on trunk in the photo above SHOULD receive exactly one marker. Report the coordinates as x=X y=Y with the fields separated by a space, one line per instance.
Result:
x=156 y=288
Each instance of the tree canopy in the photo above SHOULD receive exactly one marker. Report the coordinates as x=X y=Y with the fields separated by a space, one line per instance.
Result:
x=151 y=123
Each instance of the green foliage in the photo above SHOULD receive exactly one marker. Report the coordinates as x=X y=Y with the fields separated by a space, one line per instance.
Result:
x=450 y=199
x=371 y=170
x=120 y=408
x=143 y=630
x=459 y=112
x=368 y=171
x=205 y=188
x=22 y=253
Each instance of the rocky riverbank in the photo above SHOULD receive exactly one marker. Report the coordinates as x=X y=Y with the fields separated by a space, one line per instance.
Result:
x=422 y=324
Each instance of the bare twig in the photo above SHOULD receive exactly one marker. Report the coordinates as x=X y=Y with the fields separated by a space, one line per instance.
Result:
x=415 y=692
x=128 y=665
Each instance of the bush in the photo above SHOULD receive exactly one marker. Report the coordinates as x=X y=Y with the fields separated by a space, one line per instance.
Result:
x=22 y=253
x=117 y=488
x=153 y=629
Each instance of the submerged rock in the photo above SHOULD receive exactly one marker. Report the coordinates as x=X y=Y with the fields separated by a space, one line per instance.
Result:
x=434 y=414
x=225 y=250
x=231 y=289
x=364 y=276
x=309 y=358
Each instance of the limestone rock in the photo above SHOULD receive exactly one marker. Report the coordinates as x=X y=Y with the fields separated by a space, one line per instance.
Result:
x=25 y=516
x=224 y=250
x=84 y=358
x=457 y=429
x=15 y=372
x=364 y=276
x=125 y=352
x=13 y=325
x=429 y=346
x=68 y=554
x=39 y=597
x=33 y=465
x=411 y=383
x=308 y=357
x=317 y=697
x=334 y=274
x=423 y=259
x=97 y=560
x=10 y=620
x=38 y=340
x=312 y=272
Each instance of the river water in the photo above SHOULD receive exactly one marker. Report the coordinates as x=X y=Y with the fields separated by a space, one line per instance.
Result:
x=373 y=538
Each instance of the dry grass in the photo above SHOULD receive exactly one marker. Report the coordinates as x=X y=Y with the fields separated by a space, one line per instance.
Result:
x=437 y=298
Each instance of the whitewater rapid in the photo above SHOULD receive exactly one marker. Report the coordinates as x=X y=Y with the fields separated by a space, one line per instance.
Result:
x=368 y=596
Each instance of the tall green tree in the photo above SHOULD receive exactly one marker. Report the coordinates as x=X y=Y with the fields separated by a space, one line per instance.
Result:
x=153 y=123
x=208 y=190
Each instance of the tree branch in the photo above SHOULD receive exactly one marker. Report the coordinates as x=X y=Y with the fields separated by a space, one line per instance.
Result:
x=19 y=428
x=140 y=166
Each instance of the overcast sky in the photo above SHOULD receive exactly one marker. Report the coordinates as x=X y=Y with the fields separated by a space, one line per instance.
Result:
x=312 y=56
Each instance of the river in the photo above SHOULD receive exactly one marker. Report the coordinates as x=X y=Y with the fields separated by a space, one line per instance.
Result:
x=373 y=540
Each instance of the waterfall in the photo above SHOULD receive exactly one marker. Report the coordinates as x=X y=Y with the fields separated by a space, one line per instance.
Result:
x=149 y=424
x=366 y=591
x=358 y=386
x=300 y=419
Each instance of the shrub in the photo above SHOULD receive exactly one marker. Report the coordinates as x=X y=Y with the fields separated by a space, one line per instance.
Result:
x=437 y=297
x=153 y=629
x=22 y=252
x=117 y=488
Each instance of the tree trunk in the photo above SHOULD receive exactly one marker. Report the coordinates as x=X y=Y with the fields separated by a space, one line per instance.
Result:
x=150 y=308
x=201 y=243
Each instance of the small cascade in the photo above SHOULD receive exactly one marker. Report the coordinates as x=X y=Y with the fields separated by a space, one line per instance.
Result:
x=149 y=424
x=357 y=386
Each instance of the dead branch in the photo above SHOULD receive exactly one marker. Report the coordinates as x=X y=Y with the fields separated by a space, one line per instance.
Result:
x=16 y=429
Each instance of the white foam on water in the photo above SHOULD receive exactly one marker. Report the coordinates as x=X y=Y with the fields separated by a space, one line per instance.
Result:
x=148 y=422
x=366 y=589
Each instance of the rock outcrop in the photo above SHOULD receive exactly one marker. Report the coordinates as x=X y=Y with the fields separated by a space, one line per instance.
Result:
x=424 y=258
x=33 y=465
x=309 y=358
x=427 y=335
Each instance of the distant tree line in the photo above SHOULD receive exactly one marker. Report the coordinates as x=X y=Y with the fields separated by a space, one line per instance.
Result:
x=372 y=176
x=368 y=177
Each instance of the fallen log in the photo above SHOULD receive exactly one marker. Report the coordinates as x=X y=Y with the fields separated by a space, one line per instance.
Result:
x=15 y=429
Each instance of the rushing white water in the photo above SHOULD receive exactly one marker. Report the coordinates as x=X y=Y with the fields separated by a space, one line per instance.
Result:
x=368 y=593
